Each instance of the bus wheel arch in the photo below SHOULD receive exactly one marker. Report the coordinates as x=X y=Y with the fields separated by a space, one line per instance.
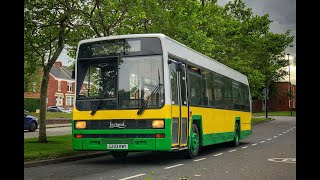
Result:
x=194 y=142
x=236 y=138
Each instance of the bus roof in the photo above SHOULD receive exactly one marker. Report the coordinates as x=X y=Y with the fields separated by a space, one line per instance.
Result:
x=178 y=49
x=186 y=53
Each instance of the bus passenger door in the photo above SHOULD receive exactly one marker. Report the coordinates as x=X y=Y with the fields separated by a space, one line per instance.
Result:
x=179 y=103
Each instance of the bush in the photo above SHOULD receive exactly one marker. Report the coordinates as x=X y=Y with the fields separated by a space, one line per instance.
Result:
x=31 y=104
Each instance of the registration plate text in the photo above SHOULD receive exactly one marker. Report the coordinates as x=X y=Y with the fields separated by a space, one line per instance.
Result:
x=117 y=146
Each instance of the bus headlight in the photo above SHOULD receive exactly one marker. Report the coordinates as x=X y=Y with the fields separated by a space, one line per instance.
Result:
x=157 y=124
x=81 y=124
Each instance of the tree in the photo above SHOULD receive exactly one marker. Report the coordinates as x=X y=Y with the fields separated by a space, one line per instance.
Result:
x=244 y=42
x=47 y=26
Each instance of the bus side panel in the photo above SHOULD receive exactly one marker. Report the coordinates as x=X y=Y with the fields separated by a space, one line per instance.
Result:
x=218 y=125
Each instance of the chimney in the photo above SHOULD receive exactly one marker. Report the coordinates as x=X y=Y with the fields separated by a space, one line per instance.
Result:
x=58 y=63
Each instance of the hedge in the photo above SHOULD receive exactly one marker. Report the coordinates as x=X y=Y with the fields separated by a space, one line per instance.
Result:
x=31 y=104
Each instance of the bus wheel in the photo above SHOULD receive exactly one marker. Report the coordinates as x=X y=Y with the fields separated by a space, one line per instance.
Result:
x=119 y=154
x=236 y=138
x=194 y=143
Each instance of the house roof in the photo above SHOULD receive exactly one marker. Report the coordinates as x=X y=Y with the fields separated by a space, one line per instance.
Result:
x=62 y=72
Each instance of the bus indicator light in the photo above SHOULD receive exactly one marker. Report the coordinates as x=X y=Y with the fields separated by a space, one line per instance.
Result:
x=160 y=136
x=79 y=136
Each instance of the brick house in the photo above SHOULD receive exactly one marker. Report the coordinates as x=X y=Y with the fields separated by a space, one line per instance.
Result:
x=61 y=87
x=279 y=100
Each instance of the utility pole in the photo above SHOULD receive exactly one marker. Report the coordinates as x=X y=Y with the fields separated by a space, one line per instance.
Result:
x=290 y=100
x=266 y=91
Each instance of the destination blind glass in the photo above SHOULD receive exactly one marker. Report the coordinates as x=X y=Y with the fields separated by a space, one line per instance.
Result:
x=120 y=47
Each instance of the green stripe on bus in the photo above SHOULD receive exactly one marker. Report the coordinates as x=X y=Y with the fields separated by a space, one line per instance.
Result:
x=245 y=134
x=216 y=138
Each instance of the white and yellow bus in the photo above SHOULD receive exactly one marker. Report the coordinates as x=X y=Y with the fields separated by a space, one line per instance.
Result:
x=148 y=92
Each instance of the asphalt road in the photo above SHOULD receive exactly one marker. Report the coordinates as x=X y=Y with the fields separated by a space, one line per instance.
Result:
x=269 y=153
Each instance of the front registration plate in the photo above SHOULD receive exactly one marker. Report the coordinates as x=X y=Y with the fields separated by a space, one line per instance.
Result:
x=117 y=146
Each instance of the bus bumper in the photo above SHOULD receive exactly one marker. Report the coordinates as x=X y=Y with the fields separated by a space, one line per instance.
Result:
x=135 y=144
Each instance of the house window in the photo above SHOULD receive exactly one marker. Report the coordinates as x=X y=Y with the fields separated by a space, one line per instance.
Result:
x=69 y=101
x=69 y=86
x=59 y=100
x=59 y=85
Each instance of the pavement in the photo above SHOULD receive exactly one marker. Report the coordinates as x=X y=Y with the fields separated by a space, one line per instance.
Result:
x=58 y=125
x=80 y=156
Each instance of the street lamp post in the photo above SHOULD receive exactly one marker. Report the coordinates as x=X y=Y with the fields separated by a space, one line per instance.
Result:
x=290 y=88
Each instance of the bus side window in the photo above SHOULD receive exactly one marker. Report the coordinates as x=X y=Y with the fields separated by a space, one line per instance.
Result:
x=210 y=89
x=227 y=93
x=204 y=74
x=195 y=89
x=218 y=85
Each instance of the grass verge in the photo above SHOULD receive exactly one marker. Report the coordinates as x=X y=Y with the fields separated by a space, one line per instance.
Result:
x=57 y=146
x=260 y=120
x=51 y=115
x=275 y=113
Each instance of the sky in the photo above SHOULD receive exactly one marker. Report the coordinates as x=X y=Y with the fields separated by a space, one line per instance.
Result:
x=65 y=59
x=281 y=12
x=283 y=15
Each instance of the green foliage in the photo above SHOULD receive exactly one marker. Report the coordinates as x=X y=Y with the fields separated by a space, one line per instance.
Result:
x=230 y=34
x=31 y=104
x=47 y=28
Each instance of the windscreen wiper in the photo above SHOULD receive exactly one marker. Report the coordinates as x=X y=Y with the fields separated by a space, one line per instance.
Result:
x=94 y=110
x=148 y=100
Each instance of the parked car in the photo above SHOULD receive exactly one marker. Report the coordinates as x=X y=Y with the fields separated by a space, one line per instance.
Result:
x=55 y=109
x=30 y=122
x=68 y=110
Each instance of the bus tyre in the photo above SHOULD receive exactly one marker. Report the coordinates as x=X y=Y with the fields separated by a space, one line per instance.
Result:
x=194 y=143
x=119 y=154
x=236 y=138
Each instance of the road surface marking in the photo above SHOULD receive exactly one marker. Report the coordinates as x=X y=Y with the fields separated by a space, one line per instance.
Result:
x=132 y=176
x=254 y=144
x=294 y=127
x=269 y=139
x=173 y=166
x=218 y=154
x=232 y=150
x=275 y=136
x=288 y=130
x=200 y=159
x=262 y=141
x=244 y=147
x=197 y=175
x=285 y=160
x=280 y=134
x=284 y=132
